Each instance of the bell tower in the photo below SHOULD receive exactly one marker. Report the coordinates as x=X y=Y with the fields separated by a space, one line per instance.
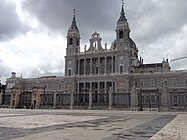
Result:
x=122 y=31
x=73 y=38
x=122 y=44
x=73 y=47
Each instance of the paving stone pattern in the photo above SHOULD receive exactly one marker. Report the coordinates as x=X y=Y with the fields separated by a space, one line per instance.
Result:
x=143 y=131
x=107 y=125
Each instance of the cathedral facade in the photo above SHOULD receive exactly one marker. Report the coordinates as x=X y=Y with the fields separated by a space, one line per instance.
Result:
x=102 y=77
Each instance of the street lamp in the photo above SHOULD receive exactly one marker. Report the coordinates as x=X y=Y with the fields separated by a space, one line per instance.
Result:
x=84 y=90
x=141 y=108
x=158 y=100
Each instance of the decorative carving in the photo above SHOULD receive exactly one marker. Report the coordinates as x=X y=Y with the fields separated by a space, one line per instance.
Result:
x=121 y=58
x=69 y=62
x=121 y=84
x=14 y=95
x=69 y=86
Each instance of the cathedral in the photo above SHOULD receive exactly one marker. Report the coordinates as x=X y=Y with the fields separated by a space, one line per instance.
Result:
x=102 y=77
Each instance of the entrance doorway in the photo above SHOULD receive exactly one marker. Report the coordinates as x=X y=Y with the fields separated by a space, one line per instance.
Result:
x=25 y=99
x=13 y=103
x=34 y=104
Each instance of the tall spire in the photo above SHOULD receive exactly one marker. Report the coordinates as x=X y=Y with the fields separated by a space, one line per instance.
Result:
x=122 y=16
x=74 y=25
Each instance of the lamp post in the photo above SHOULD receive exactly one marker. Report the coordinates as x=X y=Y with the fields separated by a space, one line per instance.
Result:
x=158 y=100
x=141 y=108
x=84 y=90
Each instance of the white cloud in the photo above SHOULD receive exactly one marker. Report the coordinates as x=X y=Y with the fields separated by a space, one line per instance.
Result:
x=33 y=51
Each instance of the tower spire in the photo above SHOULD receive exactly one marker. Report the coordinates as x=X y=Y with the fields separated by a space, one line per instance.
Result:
x=122 y=16
x=74 y=25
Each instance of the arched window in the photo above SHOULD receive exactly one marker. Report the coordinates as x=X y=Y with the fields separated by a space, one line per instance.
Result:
x=96 y=45
x=78 y=42
x=69 y=72
x=121 y=69
x=71 y=41
x=120 y=34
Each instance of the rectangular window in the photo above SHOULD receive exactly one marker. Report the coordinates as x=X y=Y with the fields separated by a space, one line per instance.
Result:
x=185 y=99
x=153 y=99
x=96 y=70
x=121 y=69
x=175 y=99
x=185 y=82
x=147 y=100
x=45 y=99
x=60 y=85
x=143 y=100
x=46 y=86
x=152 y=82
x=141 y=82
x=52 y=99
x=174 y=82
x=59 y=99
x=162 y=82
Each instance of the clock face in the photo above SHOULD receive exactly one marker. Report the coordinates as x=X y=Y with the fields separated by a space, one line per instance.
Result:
x=121 y=58
x=69 y=62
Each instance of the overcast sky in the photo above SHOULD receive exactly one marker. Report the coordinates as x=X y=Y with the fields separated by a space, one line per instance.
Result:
x=33 y=32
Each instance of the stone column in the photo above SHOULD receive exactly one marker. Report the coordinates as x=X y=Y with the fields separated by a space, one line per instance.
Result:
x=16 y=91
x=134 y=97
x=90 y=66
x=105 y=65
x=38 y=98
x=54 y=100
x=90 y=99
x=38 y=89
x=105 y=92
x=84 y=66
x=78 y=88
x=98 y=92
x=84 y=93
x=110 y=99
x=112 y=63
x=116 y=64
x=98 y=65
x=165 y=98
x=17 y=98
x=78 y=66
x=71 y=100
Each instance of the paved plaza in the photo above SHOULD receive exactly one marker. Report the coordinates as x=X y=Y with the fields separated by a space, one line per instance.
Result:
x=91 y=125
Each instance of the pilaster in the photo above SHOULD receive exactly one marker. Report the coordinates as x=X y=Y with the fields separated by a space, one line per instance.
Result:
x=90 y=99
x=71 y=100
x=110 y=99
x=134 y=97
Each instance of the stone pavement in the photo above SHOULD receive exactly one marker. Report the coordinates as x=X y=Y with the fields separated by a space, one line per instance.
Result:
x=91 y=125
x=175 y=130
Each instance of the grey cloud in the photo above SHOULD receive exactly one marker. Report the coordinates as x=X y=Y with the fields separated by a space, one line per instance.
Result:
x=158 y=20
x=91 y=15
x=150 y=20
x=10 y=24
